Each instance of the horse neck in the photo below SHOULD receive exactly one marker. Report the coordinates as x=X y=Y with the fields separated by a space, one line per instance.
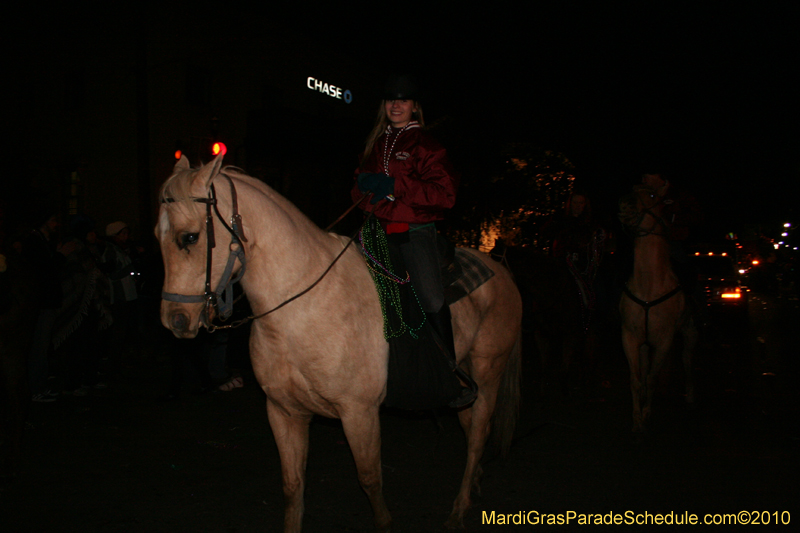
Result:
x=651 y=262
x=285 y=249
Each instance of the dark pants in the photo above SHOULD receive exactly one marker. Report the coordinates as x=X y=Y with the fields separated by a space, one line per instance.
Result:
x=81 y=354
x=421 y=256
x=40 y=350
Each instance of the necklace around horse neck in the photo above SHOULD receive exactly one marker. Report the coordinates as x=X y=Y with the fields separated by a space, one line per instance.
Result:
x=388 y=150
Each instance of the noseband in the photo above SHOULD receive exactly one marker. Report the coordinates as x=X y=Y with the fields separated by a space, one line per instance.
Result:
x=220 y=299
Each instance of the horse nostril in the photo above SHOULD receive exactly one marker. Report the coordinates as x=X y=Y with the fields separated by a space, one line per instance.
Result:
x=179 y=322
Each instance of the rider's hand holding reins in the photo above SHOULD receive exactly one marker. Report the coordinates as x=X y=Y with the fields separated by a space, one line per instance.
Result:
x=381 y=185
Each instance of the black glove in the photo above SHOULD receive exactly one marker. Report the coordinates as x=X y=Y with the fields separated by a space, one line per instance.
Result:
x=380 y=185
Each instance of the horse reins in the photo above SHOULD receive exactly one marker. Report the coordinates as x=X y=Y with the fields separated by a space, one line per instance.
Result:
x=224 y=290
x=647 y=305
x=236 y=323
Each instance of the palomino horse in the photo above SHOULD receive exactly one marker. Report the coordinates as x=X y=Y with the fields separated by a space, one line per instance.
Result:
x=323 y=353
x=653 y=306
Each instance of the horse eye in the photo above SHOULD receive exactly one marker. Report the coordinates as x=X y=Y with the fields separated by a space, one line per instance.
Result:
x=187 y=239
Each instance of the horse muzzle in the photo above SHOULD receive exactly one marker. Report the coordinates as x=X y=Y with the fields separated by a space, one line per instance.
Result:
x=183 y=323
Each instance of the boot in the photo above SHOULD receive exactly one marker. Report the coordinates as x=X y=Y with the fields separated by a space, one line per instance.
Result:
x=443 y=328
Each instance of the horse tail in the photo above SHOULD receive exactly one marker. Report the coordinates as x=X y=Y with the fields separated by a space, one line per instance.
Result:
x=504 y=419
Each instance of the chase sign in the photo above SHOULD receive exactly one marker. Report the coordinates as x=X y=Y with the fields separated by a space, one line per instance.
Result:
x=331 y=90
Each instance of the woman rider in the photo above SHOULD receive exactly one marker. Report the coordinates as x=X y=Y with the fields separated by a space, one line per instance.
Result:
x=414 y=185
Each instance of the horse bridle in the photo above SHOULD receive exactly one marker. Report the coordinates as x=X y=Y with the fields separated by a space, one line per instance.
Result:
x=224 y=292
x=221 y=299
x=658 y=218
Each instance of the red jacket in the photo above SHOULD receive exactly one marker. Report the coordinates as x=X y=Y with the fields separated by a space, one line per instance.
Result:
x=425 y=183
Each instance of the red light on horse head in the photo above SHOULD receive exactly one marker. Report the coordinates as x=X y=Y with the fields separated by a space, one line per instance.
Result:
x=178 y=154
x=219 y=148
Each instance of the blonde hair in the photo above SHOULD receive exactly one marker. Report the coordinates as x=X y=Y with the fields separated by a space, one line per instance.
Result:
x=381 y=123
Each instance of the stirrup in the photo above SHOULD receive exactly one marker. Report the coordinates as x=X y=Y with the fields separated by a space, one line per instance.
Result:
x=468 y=394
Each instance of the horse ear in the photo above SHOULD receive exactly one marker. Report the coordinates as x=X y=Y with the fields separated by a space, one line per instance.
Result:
x=181 y=165
x=207 y=173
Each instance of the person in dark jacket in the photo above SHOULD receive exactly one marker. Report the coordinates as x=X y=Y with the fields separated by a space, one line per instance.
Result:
x=575 y=237
x=119 y=263
x=411 y=186
x=46 y=257
x=577 y=241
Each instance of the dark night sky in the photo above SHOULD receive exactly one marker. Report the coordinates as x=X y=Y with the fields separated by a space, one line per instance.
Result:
x=708 y=92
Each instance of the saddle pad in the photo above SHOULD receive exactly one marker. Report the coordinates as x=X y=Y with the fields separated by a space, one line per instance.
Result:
x=473 y=273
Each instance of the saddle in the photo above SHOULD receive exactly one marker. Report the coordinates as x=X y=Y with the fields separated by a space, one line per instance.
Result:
x=462 y=272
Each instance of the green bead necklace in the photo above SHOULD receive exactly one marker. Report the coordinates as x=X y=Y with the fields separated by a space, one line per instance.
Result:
x=375 y=249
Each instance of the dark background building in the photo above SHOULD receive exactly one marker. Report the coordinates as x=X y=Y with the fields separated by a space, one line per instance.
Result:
x=100 y=100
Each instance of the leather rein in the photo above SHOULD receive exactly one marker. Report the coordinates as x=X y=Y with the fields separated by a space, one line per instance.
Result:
x=224 y=291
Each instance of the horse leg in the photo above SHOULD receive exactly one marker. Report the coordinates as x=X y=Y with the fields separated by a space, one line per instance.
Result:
x=542 y=346
x=363 y=433
x=590 y=344
x=635 y=357
x=291 y=436
x=657 y=357
x=569 y=347
x=476 y=424
x=689 y=332
x=15 y=392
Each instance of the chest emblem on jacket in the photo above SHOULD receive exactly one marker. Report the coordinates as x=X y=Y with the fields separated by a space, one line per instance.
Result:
x=402 y=156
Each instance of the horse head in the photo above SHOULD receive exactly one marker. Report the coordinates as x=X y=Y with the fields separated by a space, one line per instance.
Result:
x=642 y=211
x=189 y=218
